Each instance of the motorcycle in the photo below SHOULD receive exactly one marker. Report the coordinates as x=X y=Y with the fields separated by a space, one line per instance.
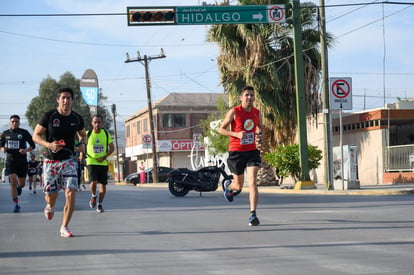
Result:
x=182 y=180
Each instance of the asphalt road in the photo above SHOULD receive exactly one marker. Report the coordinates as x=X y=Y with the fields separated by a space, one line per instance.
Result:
x=148 y=231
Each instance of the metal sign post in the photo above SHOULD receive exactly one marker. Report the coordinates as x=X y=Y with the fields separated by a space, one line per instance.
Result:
x=341 y=99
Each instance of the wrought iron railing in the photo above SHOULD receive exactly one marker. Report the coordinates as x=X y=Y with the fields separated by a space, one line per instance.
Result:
x=399 y=158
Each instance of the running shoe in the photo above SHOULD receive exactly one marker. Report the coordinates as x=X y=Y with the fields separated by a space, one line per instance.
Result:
x=92 y=202
x=16 y=208
x=235 y=193
x=65 y=232
x=228 y=194
x=49 y=212
x=19 y=190
x=99 y=208
x=254 y=220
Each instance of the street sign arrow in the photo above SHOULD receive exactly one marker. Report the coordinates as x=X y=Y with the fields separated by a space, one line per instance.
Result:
x=258 y=16
x=242 y=14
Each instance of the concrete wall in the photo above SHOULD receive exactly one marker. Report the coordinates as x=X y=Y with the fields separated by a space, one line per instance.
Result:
x=370 y=152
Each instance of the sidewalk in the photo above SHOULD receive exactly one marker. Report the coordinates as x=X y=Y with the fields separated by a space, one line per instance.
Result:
x=368 y=190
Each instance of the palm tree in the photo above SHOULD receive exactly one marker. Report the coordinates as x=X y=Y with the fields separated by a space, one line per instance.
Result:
x=261 y=55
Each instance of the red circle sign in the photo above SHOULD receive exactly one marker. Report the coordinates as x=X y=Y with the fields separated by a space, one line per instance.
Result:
x=276 y=14
x=147 y=139
x=340 y=88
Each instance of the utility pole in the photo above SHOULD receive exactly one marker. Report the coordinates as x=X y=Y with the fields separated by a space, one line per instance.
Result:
x=325 y=97
x=145 y=61
x=300 y=96
x=116 y=141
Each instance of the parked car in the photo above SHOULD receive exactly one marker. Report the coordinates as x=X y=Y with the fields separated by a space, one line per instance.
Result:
x=132 y=178
x=163 y=173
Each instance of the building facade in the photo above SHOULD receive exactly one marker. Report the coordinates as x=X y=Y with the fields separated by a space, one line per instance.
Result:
x=384 y=139
x=177 y=129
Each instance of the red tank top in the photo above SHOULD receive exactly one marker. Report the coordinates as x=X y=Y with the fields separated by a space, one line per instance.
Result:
x=244 y=121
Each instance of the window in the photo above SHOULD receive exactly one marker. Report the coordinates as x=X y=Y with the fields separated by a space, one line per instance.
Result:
x=127 y=131
x=145 y=125
x=139 y=127
x=173 y=120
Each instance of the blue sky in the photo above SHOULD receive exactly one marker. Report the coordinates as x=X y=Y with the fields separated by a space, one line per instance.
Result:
x=31 y=48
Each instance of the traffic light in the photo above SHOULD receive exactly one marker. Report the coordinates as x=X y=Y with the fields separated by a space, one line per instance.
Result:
x=150 y=16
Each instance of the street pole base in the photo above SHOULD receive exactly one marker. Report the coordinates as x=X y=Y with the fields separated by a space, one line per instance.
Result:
x=304 y=185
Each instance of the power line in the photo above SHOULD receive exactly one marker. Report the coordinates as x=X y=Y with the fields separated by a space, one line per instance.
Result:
x=226 y=10
x=170 y=45
x=368 y=4
x=99 y=44
x=375 y=21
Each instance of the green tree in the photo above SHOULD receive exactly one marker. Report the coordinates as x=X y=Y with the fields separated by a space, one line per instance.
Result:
x=286 y=159
x=217 y=143
x=261 y=55
x=46 y=100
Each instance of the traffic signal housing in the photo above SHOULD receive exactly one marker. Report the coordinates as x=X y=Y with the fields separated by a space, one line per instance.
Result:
x=138 y=16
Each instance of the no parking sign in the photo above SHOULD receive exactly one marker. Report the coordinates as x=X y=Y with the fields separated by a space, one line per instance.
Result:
x=340 y=93
x=146 y=141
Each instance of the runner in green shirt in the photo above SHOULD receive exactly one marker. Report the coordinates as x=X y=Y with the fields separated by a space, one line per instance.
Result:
x=99 y=146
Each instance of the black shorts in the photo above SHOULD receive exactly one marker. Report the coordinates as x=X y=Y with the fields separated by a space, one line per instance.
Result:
x=98 y=173
x=238 y=161
x=31 y=172
x=17 y=166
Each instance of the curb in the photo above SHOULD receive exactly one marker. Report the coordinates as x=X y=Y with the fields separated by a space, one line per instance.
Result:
x=275 y=190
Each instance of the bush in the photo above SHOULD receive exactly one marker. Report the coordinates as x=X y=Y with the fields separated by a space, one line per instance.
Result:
x=286 y=159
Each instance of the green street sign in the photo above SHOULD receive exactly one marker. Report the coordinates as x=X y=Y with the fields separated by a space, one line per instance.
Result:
x=212 y=15
x=206 y=15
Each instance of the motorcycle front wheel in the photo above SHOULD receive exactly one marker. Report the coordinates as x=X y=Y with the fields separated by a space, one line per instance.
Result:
x=178 y=190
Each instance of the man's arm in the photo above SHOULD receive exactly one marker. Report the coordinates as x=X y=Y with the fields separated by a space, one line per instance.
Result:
x=38 y=134
x=111 y=149
x=82 y=141
x=260 y=130
x=30 y=140
x=32 y=145
x=2 y=143
x=225 y=124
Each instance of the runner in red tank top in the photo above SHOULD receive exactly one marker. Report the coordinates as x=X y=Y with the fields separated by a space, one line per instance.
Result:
x=245 y=122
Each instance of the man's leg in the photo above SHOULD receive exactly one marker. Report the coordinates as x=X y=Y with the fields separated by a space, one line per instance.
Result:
x=92 y=201
x=13 y=181
x=70 y=195
x=102 y=192
x=51 y=198
x=254 y=193
x=237 y=183
x=34 y=183
x=92 y=186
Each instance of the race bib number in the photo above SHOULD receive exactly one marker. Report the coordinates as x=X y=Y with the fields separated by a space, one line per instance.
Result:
x=13 y=144
x=32 y=170
x=248 y=139
x=98 y=149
